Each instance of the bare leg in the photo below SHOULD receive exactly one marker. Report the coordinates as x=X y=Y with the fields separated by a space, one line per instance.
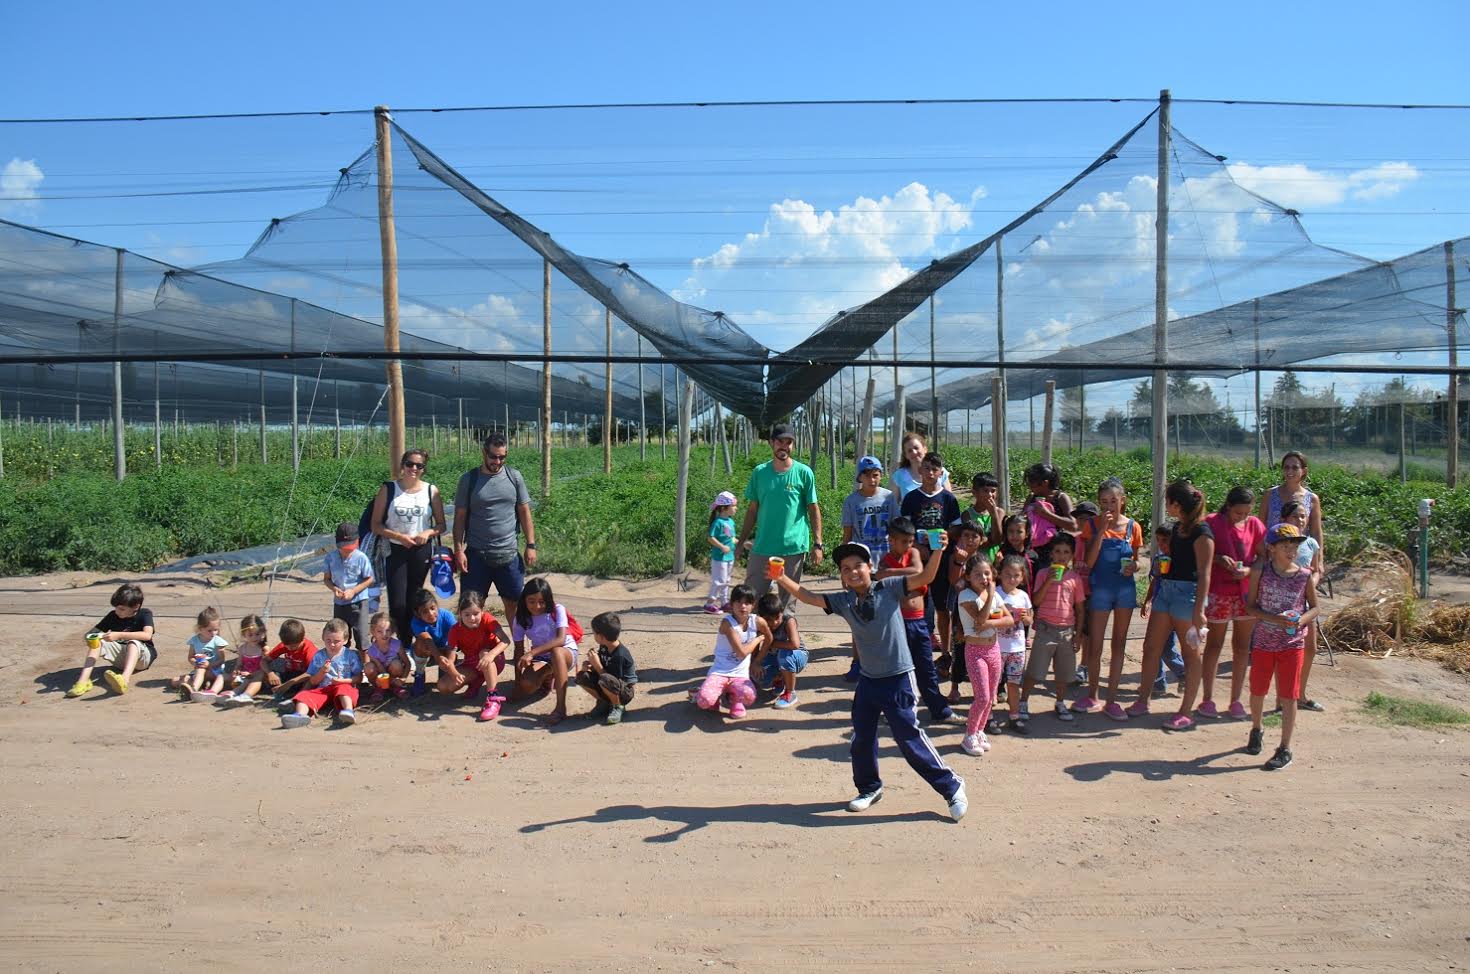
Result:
x=90 y=663
x=1240 y=649
x=1192 y=665
x=1210 y=668
x=1097 y=624
x=1121 y=620
x=134 y=653
x=561 y=662
x=1154 y=638
x=1307 y=658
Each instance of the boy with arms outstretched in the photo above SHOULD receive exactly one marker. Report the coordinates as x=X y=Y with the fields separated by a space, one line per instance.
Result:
x=885 y=685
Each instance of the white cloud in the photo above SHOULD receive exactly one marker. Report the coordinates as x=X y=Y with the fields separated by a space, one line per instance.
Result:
x=19 y=181
x=845 y=257
x=1298 y=186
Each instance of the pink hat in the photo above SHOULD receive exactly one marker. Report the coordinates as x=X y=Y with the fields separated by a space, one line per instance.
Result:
x=723 y=499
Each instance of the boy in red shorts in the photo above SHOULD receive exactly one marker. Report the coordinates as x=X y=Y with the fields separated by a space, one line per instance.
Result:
x=1284 y=598
x=332 y=677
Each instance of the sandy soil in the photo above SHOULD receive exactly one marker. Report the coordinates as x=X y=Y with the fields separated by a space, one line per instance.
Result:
x=145 y=832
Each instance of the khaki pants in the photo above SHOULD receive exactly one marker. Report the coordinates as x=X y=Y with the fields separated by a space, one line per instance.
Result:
x=755 y=576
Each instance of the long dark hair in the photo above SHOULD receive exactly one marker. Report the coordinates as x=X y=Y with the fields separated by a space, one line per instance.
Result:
x=534 y=586
x=1191 y=504
x=1238 y=495
x=1005 y=529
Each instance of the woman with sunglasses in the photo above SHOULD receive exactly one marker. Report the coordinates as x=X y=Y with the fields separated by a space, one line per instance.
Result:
x=408 y=513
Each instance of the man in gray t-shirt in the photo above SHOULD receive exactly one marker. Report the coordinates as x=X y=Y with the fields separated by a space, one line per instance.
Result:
x=490 y=504
x=885 y=684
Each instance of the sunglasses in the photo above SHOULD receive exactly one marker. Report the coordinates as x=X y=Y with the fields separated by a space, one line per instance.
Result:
x=414 y=464
x=495 y=458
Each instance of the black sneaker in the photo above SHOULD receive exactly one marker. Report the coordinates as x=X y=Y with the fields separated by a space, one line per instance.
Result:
x=1253 y=746
x=993 y=726
x=1018 y=725
x=1279 y=760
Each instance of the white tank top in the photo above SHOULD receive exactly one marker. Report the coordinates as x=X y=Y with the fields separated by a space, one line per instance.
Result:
x=410 y=513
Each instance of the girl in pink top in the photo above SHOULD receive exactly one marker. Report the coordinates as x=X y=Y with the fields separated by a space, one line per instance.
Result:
x=1238 y=540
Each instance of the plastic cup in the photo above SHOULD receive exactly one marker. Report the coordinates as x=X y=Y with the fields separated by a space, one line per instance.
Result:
x=1127 y=565
x=1164 y=561
x=94 y=640
x=775 y=568
x=935 y=537
x=1057 y=571
x=1018 y=616
x=383 y=681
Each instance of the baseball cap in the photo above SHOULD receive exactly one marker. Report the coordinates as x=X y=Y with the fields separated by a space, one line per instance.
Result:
x=852 y=548
x=723 y=499
x=346 y=532
x=869 y=463
x=781 y=431
x=1284 y=532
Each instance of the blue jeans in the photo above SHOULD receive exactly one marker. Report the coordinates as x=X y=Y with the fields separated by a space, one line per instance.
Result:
x=1175 y=599
x=893 y=698
x=1170 y=657
x=782 y=661
x=921 y=651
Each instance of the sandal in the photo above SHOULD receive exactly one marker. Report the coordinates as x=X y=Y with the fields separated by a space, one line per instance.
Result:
x=554 y=718
x=1307 y=703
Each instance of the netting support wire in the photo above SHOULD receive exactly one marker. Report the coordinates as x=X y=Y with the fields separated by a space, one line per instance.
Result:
x=607 y=412
x=1159 y=424
x=388 y=240
x=546 y=376
x=1000 y=450
x=119 y=448
x=1452 y=456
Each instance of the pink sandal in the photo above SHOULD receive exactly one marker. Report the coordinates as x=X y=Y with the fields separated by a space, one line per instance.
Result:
x=1179 y=722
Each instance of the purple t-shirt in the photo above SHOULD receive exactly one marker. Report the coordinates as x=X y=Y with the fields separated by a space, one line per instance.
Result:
x=543 y=628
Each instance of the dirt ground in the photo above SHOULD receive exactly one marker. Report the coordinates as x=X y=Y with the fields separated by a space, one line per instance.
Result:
x=143 y=832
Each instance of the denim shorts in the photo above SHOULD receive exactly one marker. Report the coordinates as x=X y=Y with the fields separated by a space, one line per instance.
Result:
x=1118 y=592
x=509 y=578
x=783 y=661
x=1175 y=598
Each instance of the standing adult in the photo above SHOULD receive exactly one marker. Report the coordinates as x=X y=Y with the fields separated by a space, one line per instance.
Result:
x=781 y=509
x=491 y=506
x=408 y=514
x=1293 y=487
x=909 y=472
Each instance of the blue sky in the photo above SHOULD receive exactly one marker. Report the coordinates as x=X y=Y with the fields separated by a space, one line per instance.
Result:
x=666 y=188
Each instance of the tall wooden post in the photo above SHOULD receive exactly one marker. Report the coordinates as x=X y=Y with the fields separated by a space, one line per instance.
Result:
x=157 y=424
x=999 y=423
x=663 y=416
x=724 y=442
x=295 y=402
x=865 y=424
x=607 y=414
x=895 y=439
x=264 y=449
x=234 y=444
x=546 y=379
x=461 y=426
x=1046 y=421
x=1256 y=321
x=681 y=495
x=1160 y=423
x=1403 y=453
x=337 y=434
x=119 y=446
x=997 y=433
x=1452 y=455
x=933 y=382
x=388 y=241
x=1082 y=405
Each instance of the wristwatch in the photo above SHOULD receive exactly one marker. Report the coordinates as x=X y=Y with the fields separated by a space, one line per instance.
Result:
x=818 y=547
x=530 y=545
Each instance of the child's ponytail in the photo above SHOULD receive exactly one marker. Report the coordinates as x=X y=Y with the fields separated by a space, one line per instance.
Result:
x=1191 y=503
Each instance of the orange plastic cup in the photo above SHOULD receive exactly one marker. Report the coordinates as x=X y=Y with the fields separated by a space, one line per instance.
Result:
x=383 y=681
x=775 y=568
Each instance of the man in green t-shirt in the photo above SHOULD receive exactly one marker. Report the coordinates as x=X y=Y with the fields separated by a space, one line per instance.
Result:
x=781 y=510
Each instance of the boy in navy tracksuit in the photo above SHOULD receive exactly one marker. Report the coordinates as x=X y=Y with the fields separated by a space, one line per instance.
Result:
x=886 y=682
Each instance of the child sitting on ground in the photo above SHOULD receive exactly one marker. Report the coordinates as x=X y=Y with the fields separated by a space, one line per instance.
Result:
x=332 y=676
x=250 y=668
x=1283 y=596
x=873 y=610
x=551 y=658
x=741 y=633
x=430 y=626
x=387 y=664
x=480 y=640
x=288 y=660
x=784 y=656
x=123 y=639
x=206 y=649
x=1057 y=640
x=608 y=673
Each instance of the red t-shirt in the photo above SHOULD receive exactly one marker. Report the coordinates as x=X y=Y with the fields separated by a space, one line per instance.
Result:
x=1057 y=605
x=471 y=642
x=906 y=560
x=296 y=660
x=1238 y=541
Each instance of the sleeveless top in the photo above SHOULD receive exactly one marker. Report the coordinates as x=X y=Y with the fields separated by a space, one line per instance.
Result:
x=1273 y=506
x=410 y=513
x=726 y=662
x=1279 y=594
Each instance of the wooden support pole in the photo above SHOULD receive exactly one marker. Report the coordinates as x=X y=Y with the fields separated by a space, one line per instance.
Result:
x=997 y=407
x=157 y=424
x=119 y=446
x=724 y=442
x=337 y=434
x=1256 y=321
x=681 y=494
x=1160 y=422
x=607 y=415
x=546 y=379
x=295 y=402
x=895 y=439
x=234 y=444
x=933 y=382
x=663 y=416
x=388 y=242
x=1046 y=421
x=865 y=424
x=264 y=449
x=642 y=408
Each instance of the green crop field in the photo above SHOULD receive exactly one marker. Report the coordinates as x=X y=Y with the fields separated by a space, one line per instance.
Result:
x=60 y=509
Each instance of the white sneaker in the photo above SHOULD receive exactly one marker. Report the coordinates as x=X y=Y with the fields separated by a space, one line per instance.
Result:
x=290 y=721
x=1064 y=712
x=971 y=745
x=241 y=700
x=959 y=804
x=347 y=716
x=865 y=801
x=984 y=742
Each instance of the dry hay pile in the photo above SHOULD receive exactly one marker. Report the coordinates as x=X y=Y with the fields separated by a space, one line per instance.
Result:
x=1388 y=619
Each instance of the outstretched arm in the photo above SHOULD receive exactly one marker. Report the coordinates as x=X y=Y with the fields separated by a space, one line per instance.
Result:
x=801 y=592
